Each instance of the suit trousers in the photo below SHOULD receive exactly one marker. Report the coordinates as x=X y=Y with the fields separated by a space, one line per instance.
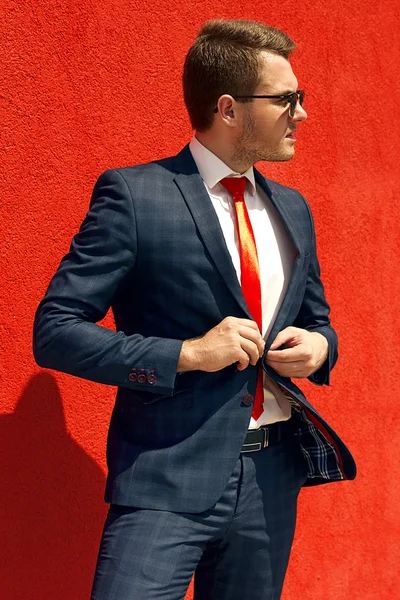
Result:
x=239 y=548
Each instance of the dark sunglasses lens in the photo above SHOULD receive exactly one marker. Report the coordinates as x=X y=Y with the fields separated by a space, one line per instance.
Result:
x=298 y=97
x=293 y=103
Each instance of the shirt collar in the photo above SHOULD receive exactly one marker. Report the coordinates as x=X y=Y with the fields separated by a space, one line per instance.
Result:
x=212 y=169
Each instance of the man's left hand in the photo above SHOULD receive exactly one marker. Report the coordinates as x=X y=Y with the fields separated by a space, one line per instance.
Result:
x=304 y=352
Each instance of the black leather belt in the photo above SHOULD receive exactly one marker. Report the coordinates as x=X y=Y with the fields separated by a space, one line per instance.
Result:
x=267 y=435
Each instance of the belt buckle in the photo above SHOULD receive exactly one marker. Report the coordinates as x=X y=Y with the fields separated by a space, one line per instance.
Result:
x=266 y=437
x=257 y=446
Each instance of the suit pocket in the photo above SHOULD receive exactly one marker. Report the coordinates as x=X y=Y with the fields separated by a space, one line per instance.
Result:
x=149 y=398
x=166 y=421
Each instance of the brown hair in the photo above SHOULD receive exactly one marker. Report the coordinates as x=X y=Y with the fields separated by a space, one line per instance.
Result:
x=224 y=59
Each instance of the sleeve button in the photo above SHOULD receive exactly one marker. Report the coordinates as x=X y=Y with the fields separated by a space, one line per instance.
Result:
x=151 y=379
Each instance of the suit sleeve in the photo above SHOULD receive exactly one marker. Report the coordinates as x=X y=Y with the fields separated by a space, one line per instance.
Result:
x=66 y=336
x=314 y=313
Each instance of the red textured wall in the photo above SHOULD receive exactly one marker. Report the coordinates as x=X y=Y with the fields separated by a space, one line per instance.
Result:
x=86 y=86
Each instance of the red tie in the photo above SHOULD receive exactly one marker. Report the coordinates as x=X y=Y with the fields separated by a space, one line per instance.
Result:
x=250 y=271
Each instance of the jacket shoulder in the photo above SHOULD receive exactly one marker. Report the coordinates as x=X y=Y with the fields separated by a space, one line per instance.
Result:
x=285 y=190
x=158 y=168
x=137 y=178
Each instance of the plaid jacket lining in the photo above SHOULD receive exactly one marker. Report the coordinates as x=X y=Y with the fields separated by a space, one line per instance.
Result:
x=319 y=453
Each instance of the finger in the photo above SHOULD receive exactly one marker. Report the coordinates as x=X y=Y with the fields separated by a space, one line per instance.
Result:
x=251 y=350
x=243 y=322
x=289 y=355
x=289 y=366
x=261 y=346
x=290 y=369
x=285 y=336
x=254 y=336
x=243 y=361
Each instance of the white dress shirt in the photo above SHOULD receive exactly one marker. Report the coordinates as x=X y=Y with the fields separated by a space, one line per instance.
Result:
x=276 y=254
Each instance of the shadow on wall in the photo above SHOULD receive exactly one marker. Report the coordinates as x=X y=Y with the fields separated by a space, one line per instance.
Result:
x=51 y=510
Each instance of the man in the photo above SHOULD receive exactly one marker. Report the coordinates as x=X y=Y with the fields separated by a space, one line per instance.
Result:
x=212 y=275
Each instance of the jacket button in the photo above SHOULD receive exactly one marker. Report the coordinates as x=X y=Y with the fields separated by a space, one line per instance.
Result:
x=141 y=378
x=132 y=377
x=248 y=399
x=151 y=379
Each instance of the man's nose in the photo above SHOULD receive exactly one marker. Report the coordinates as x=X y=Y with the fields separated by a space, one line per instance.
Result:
x=299 y=114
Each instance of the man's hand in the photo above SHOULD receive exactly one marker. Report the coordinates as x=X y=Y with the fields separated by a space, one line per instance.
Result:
x=304 y=352
x=231 y=341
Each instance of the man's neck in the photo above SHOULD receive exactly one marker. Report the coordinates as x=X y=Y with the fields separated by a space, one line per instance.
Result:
x=221 y=150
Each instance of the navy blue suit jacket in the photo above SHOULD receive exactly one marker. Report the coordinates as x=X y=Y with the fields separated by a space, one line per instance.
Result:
x=151 y=247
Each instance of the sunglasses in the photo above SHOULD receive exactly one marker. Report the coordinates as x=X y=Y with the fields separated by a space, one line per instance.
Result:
x=292 y=99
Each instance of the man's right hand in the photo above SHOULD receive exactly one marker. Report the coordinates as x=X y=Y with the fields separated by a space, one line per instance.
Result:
x=233 y=340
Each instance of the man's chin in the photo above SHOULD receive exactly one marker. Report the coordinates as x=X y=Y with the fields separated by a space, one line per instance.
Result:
x=279 y=157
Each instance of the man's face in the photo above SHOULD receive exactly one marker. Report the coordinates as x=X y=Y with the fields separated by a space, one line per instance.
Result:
x=267 y=131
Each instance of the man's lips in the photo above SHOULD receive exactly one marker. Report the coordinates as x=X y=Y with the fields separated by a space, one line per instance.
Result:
x=291 y=135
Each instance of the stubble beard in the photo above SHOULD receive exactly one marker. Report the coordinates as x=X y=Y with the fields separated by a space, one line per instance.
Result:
x=247 y=151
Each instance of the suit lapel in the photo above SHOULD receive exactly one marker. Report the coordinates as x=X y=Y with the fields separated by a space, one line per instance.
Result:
x=198 y=201
x=277 y=198
x=282 y=206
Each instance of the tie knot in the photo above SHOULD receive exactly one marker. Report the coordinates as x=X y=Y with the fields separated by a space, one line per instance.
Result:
x=235 y=185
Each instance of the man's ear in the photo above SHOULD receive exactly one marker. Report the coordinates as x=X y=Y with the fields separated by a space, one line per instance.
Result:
x=227 y=110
